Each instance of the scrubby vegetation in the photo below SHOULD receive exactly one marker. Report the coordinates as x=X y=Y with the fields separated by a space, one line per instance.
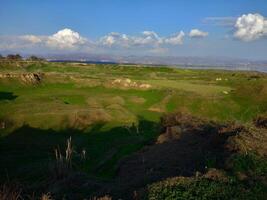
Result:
x=217 y=185
x=203 y=188
x=136 y=132
x=261 y=121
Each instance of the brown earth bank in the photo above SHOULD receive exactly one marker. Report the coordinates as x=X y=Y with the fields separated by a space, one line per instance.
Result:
x=28 y=78
x=188 y=147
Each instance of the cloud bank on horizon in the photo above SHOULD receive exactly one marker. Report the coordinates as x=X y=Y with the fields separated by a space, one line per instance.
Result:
x=246 y=28
x=147 y=38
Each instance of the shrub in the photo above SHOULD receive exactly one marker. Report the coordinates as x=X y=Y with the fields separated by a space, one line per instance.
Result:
x=250 y=164
x=35 y=58
x=14 y=57
x=204 y=189
x=260 y=121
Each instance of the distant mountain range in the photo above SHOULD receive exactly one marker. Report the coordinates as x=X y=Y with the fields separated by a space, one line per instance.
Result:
x=176 y=61
x=186 y=62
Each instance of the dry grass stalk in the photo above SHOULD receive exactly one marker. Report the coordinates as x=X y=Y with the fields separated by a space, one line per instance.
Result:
x=10 y=193
x=46 y=197
x=64 y=161
x=106 y=197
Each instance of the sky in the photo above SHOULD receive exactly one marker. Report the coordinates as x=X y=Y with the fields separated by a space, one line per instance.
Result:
x=218 y=28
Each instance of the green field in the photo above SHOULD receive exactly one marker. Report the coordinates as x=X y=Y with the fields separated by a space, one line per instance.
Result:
x=111 y=111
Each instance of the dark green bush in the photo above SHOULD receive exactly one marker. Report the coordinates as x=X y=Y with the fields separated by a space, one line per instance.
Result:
x=205 y=189
x=250 y=164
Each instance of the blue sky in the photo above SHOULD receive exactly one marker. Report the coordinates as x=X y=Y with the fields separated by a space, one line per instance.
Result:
x=94 y=20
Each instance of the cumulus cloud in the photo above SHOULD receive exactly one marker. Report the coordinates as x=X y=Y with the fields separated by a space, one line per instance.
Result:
x=146 y=39
x=69 y=40
x=65 y=39
x=250 y=27
x=175 y=39
x=17 y=42
x=32 y=38
x=115 y=39
x=196 y=33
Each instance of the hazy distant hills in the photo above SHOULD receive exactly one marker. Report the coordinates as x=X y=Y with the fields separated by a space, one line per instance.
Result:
x=194 y=62
x=181 y=61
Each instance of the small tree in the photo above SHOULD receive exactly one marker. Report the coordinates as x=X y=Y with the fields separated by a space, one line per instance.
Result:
x=14 y=57
x=35 y=58
x=18 y=57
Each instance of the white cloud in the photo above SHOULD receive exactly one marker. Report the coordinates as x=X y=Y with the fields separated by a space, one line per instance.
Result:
x=196 y=33
x=175 y=39
x=65 y=39
x=69 y=40
x=18 y=42
x=115 y=39
x=146 y=39
x=250 y=27
x=109 y=40
x=32 y=38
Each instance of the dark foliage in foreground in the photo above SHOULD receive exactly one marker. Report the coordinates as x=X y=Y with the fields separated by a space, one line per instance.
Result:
x=204 y=159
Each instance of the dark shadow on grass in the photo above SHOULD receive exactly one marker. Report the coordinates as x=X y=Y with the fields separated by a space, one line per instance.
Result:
x=128 y=155
x=191 y=151
x=7 y=96
x=32 y=147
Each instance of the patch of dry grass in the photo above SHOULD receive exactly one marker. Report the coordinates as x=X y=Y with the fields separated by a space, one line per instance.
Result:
x=10 y=192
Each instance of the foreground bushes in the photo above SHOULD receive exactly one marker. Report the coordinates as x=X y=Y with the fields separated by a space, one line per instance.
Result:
x=204 y=189
x=246 y=179
x=250 y=164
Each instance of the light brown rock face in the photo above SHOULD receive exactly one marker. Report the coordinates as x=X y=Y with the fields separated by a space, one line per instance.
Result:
x=32 y=78
x=128 y=83
x=29 y=78
x=172 y=133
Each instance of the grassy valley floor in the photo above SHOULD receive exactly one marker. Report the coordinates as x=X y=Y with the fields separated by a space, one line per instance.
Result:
x=113 y=114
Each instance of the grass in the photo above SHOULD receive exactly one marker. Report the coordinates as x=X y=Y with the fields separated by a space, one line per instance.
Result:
x=32 y=147
x=199 y=89
x=78 y=100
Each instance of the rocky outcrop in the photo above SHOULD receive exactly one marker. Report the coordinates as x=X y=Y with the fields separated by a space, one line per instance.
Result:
x=32 y=78
x=128 y=83
x=29 y=78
